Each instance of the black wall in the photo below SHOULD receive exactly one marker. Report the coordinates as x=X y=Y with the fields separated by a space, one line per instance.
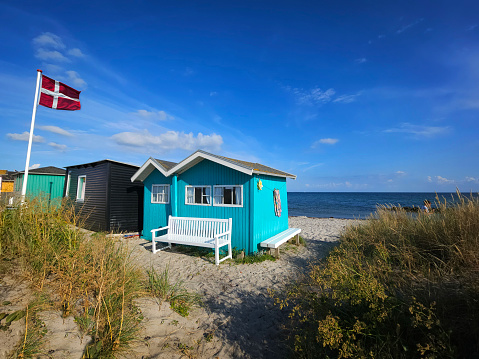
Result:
x=112 y=201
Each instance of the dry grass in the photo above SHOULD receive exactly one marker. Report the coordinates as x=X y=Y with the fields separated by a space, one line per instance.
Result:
x=399 y=286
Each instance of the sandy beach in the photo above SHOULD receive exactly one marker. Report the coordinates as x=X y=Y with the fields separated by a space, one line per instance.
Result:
x=238 y=318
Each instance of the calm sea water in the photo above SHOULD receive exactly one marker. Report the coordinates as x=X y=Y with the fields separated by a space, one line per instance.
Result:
x=353 y=204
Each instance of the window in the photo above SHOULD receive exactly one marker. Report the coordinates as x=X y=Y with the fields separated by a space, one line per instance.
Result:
x=160 y=193
x=230 y=196
x=198 y=195
x=81 y=188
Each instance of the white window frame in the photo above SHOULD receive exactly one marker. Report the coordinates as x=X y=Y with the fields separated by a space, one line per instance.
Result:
x=81 y=196
x=197 y=204
x=67 y=190
x=227 y=205
x=167 y=186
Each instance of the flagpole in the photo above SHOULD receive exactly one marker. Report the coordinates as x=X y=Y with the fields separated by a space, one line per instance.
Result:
x=30 y=140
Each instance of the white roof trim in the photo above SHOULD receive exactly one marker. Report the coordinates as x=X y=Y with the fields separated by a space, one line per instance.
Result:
x=275 y=174
x=191 y=160
x=207 y=156
x=150 y=162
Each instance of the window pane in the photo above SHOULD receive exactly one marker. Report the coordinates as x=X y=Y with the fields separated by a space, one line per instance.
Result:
x=238 y=196
x=198 y=191
x=228 y=196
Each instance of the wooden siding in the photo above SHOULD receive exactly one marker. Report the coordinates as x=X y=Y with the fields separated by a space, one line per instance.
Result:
x=210 y=173
x=125 y=199
x=266 y=223
x=49 y=187
x=155 y=215
x=92 y=211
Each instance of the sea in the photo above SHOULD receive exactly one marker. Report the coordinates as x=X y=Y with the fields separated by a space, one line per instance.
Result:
x=357 y=205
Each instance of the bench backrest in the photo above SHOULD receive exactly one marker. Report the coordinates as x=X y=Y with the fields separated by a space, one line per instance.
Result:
x=198 y=227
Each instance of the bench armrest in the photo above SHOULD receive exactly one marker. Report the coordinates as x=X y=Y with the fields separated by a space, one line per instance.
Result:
x=159 y=229
x=223 y=234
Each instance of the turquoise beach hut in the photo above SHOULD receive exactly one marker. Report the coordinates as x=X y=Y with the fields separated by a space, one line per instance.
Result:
x=205 y=185
x=45 y=182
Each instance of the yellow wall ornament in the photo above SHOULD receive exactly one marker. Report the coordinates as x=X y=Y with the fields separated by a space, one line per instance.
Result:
x=260 y=185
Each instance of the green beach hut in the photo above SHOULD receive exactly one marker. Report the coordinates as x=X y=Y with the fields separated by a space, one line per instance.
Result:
x=205 y=185
x=46 y=182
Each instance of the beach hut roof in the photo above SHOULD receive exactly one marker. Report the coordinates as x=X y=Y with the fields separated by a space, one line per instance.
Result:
x=50 y=170
x=101 y=161
x=168 y=168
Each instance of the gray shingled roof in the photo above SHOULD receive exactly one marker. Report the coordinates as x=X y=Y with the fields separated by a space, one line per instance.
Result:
x=50 y=170
x=167 y=165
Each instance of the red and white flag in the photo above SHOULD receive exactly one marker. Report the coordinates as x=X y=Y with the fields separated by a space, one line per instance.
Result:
x=57 y=95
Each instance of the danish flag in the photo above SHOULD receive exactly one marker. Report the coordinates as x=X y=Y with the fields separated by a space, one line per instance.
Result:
x=57 y=95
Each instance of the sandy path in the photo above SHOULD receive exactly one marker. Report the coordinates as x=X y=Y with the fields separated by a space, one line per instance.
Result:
x=238 y=309
x=238 y=319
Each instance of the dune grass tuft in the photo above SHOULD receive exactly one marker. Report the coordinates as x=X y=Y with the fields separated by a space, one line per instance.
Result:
x=397 y=286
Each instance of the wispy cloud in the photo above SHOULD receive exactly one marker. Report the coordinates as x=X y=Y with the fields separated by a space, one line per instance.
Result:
x=313 y=166
x=25 y=137
x=419 y=131
x=324 y=141
x=408 y=26
x=50 y=55
x=471 y=28
x=34 y=167
x=361 y=60
x=57 y=130
x=47 y=39
x=154 y=115
x=57 y=146
x=315 y=96
x=347 y=98
x=75 y=79
x=170 y=140
x=75 y=52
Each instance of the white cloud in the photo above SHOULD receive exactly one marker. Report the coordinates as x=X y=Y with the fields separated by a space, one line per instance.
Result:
x=325 y=141
x=154 y=115
x=47 y=39
x=361 y=60
x=75 y=80
x=472 y=179
x=443 y=180
x=34 y=167
x=400 y=173
x=419 y=131
x=213 y=93
x=429 y=178
x=347 y=98
x=57 y=130
x=75 y=52
x=50 y=55
x=169 y=140
x=315 y=96
x=57 y=146
x=25 y=137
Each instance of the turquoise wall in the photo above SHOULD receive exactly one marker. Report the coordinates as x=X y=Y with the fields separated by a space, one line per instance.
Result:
x=155 y=215
x=40 y=185
x=265 y=223
x=254 y=222
x=209 y=173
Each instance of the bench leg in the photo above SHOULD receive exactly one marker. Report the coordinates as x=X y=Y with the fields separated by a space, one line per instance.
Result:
x=297 y=239
x=276 y=253
x=153 y=245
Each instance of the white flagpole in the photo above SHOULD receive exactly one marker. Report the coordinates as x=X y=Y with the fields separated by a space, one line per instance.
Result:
x=27 y=164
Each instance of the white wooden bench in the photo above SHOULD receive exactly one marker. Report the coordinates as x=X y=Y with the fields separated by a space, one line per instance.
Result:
x=278 y=239
x=201 y=232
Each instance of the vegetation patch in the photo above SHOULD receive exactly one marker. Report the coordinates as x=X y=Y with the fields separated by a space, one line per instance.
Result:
x=398 y=286
x=91 y=278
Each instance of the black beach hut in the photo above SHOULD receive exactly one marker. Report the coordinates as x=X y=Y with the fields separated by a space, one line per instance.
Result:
x=105 y=197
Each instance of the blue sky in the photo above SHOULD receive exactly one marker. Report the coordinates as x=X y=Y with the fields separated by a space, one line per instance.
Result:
x=347 y=95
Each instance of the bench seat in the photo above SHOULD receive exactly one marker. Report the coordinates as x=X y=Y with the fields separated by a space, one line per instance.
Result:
x=280 y=238
x=201 y=232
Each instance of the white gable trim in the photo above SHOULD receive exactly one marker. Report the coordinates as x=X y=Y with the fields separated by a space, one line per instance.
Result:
x=147 y=168
x=275 y=174
x=193 y=159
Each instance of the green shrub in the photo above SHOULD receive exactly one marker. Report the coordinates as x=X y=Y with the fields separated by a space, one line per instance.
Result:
x=397 y=286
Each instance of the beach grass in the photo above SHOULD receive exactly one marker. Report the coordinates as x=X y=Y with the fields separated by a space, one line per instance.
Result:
x=397 y=286
x=92 y=278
